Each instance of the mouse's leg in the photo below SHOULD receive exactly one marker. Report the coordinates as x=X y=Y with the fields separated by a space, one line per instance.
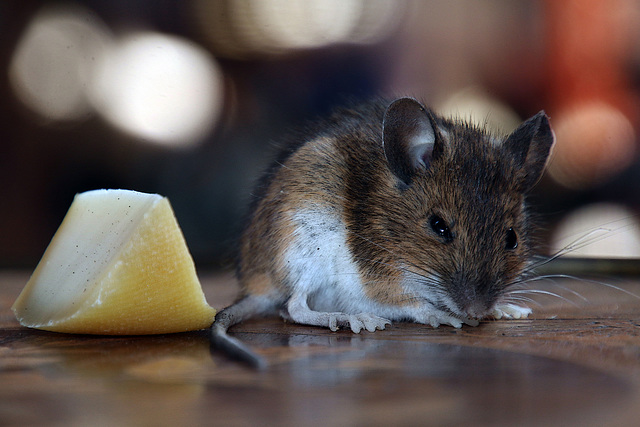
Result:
x=510 y=311
x=298 y=311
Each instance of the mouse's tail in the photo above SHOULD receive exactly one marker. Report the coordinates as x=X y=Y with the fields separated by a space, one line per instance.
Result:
x=245 y=308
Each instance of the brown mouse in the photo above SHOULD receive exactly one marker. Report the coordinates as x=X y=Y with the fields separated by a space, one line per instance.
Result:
x=387 y=212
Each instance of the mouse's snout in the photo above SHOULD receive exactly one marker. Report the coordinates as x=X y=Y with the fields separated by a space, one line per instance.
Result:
x=477 y=309
x=474 y=298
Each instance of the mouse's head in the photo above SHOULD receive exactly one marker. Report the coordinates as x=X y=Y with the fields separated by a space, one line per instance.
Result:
x=465 y=233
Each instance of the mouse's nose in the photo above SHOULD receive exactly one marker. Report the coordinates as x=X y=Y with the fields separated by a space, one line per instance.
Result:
x=473 y=292
x=477 y=309
x=474 y=302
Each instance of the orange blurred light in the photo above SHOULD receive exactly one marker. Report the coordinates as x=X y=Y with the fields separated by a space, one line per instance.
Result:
x=591 y=99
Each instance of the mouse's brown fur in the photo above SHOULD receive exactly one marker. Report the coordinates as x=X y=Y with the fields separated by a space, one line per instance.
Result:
x=389 y=212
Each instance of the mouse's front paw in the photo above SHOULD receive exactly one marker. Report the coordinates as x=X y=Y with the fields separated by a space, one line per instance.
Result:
x=437 y=318
x=510 y=311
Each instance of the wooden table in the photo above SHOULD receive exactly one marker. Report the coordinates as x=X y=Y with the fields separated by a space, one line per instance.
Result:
x=576 y=362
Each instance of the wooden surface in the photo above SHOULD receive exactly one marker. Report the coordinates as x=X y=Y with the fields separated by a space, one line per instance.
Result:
x=576 y=362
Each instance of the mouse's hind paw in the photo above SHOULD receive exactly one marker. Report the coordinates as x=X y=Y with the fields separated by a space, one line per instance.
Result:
x=367 y=321
x=299 y=312
x=356 y=322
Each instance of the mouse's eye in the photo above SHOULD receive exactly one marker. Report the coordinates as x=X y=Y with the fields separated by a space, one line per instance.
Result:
x=511 y=241
x=441 y=228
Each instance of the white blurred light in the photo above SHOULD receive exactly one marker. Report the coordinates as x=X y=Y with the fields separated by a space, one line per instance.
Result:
x=159 y=88
x=240 y=28
x=377 y=20
x=300 y=24
x=475 y=105
x=599 y=231
x=54 y=60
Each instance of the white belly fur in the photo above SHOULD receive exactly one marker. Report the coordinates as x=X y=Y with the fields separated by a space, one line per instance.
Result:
x=320 y=264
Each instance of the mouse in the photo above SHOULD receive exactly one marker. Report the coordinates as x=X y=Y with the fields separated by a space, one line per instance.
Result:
x=388 y=212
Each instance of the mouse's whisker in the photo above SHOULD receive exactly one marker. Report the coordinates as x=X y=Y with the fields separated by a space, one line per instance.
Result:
x=604 y=231
x=520 y=299
x=594 y=236
x=551 y=279
x=541 y=292
x=425 y=275
x=596 y=282
x=367 y=240
x=386 y=264
x=384 y=248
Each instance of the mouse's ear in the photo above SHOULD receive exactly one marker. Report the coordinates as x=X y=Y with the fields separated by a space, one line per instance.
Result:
x=530 y=145
x=410 y=138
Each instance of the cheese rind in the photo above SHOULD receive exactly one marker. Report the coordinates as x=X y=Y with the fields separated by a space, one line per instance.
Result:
x=118 y=265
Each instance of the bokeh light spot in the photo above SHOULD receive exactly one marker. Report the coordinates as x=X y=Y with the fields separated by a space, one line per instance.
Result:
x=54 y=60
x=594 y=141
x=475 y=105
x=160 y=88
x=249 y=28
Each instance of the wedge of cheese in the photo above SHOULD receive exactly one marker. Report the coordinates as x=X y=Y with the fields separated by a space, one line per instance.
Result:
x=118 y=265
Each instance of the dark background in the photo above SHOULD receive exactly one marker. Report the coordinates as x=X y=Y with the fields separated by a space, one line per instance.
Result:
x=279 y=63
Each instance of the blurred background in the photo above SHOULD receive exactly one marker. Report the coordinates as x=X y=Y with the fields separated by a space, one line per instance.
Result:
x=186 y=98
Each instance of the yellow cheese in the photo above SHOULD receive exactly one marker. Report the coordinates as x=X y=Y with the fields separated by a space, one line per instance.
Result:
x=118 y=265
